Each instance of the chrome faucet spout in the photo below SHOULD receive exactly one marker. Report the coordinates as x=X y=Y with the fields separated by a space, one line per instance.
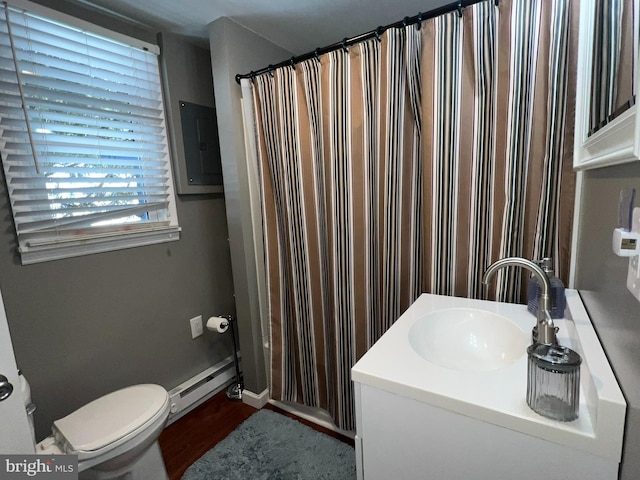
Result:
x=545 y=330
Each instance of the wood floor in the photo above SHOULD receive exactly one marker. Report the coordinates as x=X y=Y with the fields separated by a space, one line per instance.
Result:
x=187 y=439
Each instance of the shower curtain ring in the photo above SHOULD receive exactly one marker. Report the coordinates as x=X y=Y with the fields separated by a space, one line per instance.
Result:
x=293 y=62
x=419 y=23
x=460 y=8
x=317 y=54
x=271 y=68
x=344 y=45
x=379 y=31
x=405 y=20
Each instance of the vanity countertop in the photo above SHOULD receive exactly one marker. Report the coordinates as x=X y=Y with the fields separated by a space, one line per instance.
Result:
x=498 y=396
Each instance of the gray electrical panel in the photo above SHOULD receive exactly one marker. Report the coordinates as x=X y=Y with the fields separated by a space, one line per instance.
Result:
x=201 y=144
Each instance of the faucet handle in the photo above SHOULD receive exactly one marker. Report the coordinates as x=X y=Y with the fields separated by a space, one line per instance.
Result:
x=546 y=264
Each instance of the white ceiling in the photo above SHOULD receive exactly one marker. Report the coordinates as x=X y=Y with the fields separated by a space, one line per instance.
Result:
x=296 y=25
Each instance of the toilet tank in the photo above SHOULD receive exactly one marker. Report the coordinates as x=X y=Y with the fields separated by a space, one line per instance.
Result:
x=25 y=390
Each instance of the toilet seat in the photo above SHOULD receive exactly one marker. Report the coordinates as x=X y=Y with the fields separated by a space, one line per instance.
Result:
x=109 y=421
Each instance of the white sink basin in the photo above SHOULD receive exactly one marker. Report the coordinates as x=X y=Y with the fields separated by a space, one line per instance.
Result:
x=468 y=339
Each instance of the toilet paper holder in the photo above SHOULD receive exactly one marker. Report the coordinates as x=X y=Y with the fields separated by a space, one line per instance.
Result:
x=221 y=324
x=218 y=324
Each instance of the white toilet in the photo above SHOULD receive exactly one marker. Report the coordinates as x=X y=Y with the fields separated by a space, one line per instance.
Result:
x=115 y=436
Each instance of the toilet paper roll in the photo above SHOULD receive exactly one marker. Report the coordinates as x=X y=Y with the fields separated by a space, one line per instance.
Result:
x=218 y=324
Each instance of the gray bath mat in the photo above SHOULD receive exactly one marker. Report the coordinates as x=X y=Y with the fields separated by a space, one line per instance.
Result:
x=270 y=446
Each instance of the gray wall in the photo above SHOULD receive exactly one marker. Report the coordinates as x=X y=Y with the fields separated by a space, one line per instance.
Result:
x=85 y=326
x=234 y=49
x=178 y=55
x=601 y=277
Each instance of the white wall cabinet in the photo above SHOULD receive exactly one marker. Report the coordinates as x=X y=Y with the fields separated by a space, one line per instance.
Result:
x=607 y=135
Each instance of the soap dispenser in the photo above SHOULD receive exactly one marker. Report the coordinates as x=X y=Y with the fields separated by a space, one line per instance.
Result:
x=558 y=300
x=553 y=381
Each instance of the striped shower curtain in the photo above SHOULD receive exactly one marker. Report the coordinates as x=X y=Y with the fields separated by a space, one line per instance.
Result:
x=403 y=165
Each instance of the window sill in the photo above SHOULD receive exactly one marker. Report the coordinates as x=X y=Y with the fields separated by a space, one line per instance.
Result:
x=58 y=251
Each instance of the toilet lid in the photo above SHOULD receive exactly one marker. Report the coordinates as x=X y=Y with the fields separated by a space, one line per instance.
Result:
x=109 y=418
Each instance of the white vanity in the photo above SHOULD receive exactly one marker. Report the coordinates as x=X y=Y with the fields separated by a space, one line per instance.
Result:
x=419 y=419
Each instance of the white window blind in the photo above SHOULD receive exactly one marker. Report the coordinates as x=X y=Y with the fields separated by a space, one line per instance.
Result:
x=82 y=140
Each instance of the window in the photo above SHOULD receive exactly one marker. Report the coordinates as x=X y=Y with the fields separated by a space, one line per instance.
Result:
x=82 y=137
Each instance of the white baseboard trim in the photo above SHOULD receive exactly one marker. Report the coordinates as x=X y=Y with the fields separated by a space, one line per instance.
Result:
x=254 y=400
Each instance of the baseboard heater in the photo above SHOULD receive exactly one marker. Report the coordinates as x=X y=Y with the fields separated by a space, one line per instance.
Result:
x=188 y=395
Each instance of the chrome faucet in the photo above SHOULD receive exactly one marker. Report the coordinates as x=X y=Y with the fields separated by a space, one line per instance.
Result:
x=545 y=330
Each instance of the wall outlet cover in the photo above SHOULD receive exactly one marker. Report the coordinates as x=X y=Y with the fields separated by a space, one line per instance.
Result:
x=196 y=326
x=633 y=277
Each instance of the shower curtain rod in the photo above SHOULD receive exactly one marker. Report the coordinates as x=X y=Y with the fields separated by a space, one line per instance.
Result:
x=347 y=42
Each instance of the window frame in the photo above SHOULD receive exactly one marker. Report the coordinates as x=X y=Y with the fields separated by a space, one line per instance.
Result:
x=79 y=242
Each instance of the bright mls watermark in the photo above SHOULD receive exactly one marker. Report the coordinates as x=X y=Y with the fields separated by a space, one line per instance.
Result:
x=51 y=467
